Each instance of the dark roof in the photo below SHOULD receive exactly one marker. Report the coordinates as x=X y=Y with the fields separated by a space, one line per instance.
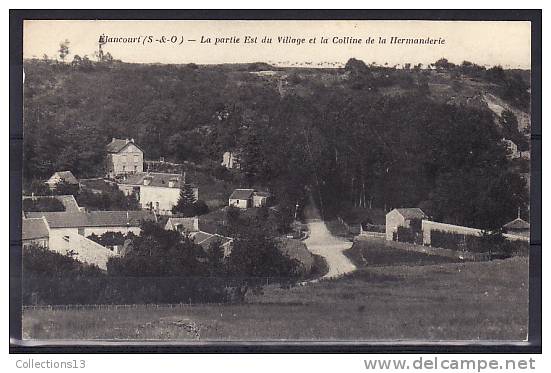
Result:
x=116 y=145
x=33 y=229
x=158 y=179
x=412 y=213
x=93 y=218
x=204 y=239
x=68 y=201
x=518 y=223
x=263 y=194
x=66 y=176
x=242 y=194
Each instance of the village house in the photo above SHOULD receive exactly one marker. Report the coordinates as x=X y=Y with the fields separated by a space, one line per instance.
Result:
x=155 y=191
x=231 y=160
x=63 y=225
x=517 y=227
x=182 y=224
x=204 y=239
x=403 y=217
x=35 y=232
x=68 y=231
x=123 y=156
x=246 y=198
x=65 y=177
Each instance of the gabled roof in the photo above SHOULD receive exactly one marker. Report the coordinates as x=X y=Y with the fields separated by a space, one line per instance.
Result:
x=518 y=223
x=93 y=218
x=68 y=201
x=116 y=145
x=66 y=176
x=412 y=213
x=242 y=194
x=157 y=179
x=34 y=228
x=204 y=239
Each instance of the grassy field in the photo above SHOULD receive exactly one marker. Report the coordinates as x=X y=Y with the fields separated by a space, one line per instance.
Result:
x=447 y=301
x=374 y=252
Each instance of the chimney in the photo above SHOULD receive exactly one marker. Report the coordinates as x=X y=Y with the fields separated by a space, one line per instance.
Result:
x=132 y=140
x=196 y=224
x=172 y=182
x=127 y=141
x=147 y=180
x=113 y=139
x=518 y=213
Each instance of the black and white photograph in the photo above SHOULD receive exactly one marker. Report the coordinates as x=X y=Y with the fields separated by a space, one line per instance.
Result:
x=276 y=181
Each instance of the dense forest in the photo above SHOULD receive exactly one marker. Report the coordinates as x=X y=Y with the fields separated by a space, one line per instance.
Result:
x=362 y=135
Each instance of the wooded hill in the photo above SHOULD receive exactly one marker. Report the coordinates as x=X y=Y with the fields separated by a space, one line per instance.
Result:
x=372 y=136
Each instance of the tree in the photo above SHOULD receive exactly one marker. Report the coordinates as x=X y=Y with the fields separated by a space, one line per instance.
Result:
x=443 y=63
x=64 y=49
x=215 y=257
x=186 y=202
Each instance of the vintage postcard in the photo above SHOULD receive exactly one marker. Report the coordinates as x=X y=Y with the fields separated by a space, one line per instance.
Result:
x=276 y=181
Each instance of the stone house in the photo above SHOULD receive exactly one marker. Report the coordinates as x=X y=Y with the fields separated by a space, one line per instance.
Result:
x=66 y=177
x=155 y=191
x=64 y=225
x=123 y=156
x=246 y=198
x=204 y=239
x=403 y=217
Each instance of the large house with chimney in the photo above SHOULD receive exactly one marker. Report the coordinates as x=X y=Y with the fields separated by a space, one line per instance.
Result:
x=123 y=157
x=155 y=191
x=68 y=231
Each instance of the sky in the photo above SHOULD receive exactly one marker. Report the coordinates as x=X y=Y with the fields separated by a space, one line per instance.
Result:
x=488 y=43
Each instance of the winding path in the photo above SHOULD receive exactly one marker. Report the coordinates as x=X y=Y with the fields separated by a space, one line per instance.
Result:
x=322 y=242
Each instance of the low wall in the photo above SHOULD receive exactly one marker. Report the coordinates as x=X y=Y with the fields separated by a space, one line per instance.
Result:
x=427 y=226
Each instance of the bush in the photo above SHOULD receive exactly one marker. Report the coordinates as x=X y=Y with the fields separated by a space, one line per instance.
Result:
x=492 y=243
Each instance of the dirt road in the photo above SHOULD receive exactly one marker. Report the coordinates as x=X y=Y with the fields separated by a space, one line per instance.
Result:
x=323 y=243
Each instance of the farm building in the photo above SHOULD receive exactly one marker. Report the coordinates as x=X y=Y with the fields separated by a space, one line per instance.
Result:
x=182 y=224
x=201 y=238
x=205 y=240
x=66 y=177
x=245 y=198
x=123 y=156
x=155 y=191
x=518 y=227
x=65 y=232
x=241 y=198
x=402 y=217
x=35 y=232
x=64 y=225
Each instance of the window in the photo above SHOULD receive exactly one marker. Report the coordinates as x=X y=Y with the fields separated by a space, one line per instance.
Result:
x=123 y=167
x=135 y=168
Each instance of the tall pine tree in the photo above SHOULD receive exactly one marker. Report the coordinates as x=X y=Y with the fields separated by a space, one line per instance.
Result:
x=186 y=203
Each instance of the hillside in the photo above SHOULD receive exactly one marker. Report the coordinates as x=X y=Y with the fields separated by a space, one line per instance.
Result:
x=371 y=135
